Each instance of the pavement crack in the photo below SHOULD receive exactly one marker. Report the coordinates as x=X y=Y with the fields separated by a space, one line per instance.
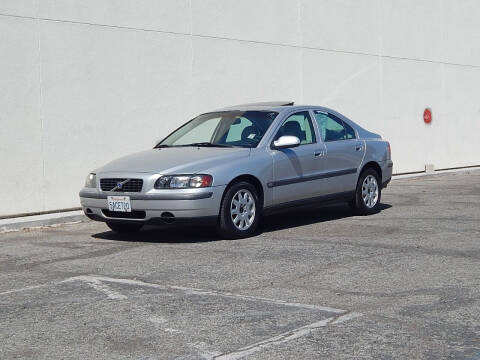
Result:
x=84 y=256
x=468 y=254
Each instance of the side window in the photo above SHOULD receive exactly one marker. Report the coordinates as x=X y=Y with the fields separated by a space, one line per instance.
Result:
x=333 y=128
x=299 y=125
x=240 y=128
x=350 y=133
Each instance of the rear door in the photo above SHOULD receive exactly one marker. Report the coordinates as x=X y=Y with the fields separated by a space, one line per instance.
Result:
x=296 y=169
x=344 y=152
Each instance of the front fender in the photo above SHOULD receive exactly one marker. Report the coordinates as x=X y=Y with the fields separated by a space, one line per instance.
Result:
x=258 y=164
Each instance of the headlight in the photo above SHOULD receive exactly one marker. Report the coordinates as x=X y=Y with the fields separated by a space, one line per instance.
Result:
x=91 y=181
x=183 y=181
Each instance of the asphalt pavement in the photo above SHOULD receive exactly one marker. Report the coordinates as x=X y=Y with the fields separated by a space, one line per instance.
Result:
x=316 y=283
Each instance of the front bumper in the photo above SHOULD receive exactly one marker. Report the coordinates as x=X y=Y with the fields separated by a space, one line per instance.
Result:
x=182 y=204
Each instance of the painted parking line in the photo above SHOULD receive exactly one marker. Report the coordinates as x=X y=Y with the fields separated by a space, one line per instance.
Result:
x=275 y=340
x=204 y=350
x=256 y=298
x=88 y=278
x=285 y=337
x=101 y=284
x=346 y=317
x=340 y=317
x=27 y=288
x=104 y=288
x=195 y=291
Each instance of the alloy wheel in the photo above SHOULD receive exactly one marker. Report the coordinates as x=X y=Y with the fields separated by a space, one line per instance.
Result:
x=370 y=191
x=242 y=209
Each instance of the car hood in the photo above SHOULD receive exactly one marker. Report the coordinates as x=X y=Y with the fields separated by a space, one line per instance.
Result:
x=188 y=160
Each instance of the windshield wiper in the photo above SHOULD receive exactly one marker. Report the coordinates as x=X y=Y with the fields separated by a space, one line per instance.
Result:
x=207 y=144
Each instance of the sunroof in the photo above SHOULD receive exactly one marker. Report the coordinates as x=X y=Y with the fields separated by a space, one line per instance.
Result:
x=270 y=103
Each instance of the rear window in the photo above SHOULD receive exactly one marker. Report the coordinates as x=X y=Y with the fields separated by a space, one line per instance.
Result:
x=332 y=128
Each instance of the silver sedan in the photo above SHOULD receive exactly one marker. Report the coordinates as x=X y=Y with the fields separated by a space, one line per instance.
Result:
x=233 y=165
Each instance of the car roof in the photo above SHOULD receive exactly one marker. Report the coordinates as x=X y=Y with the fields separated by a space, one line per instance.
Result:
x=278 y=106
x=283 y=106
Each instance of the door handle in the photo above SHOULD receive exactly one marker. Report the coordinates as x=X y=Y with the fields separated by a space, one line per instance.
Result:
x=318 y=153
x=359 y=148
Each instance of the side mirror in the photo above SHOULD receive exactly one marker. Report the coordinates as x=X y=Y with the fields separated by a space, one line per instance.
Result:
x=285 y=142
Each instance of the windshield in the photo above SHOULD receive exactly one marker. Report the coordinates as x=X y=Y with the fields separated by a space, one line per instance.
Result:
x=222 y=129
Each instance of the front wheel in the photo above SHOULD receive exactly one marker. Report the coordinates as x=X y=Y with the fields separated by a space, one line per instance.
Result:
x=240 y=211
x=124 y=228
x=368 y=193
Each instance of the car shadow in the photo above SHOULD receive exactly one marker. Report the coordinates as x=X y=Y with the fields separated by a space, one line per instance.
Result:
x=308 y=215
x=286 y=219
x=165 y=234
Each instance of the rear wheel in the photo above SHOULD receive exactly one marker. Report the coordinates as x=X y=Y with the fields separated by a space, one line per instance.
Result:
x=124 y=228
x=368 y=193
x=240 y=211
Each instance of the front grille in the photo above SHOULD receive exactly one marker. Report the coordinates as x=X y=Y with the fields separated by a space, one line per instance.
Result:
x=135 y=214
x=133 y=185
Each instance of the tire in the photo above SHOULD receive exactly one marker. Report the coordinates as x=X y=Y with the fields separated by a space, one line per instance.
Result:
x=240 y=211
x=124 y=228
x=368 y=193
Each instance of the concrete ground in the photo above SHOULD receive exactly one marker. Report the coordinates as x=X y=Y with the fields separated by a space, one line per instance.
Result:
x=316 y=283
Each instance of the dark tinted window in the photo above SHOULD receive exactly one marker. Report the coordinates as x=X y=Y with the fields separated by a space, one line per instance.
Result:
x=350 y=133
x=332 y=128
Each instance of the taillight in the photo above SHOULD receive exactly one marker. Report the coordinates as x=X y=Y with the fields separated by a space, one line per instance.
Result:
x=389 y=150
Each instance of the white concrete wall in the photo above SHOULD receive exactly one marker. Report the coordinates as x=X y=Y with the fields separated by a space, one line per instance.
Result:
x=86 y=81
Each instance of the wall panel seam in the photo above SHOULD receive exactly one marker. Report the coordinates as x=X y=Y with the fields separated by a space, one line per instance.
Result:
x=259 y=42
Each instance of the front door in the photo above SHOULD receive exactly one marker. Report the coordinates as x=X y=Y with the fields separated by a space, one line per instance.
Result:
x=344 y=153
x=296 y=170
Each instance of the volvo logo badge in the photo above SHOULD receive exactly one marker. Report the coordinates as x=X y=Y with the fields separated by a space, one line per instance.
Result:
x=119 y=185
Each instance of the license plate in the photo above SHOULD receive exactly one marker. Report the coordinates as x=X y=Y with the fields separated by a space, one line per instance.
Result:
x=119 y=203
